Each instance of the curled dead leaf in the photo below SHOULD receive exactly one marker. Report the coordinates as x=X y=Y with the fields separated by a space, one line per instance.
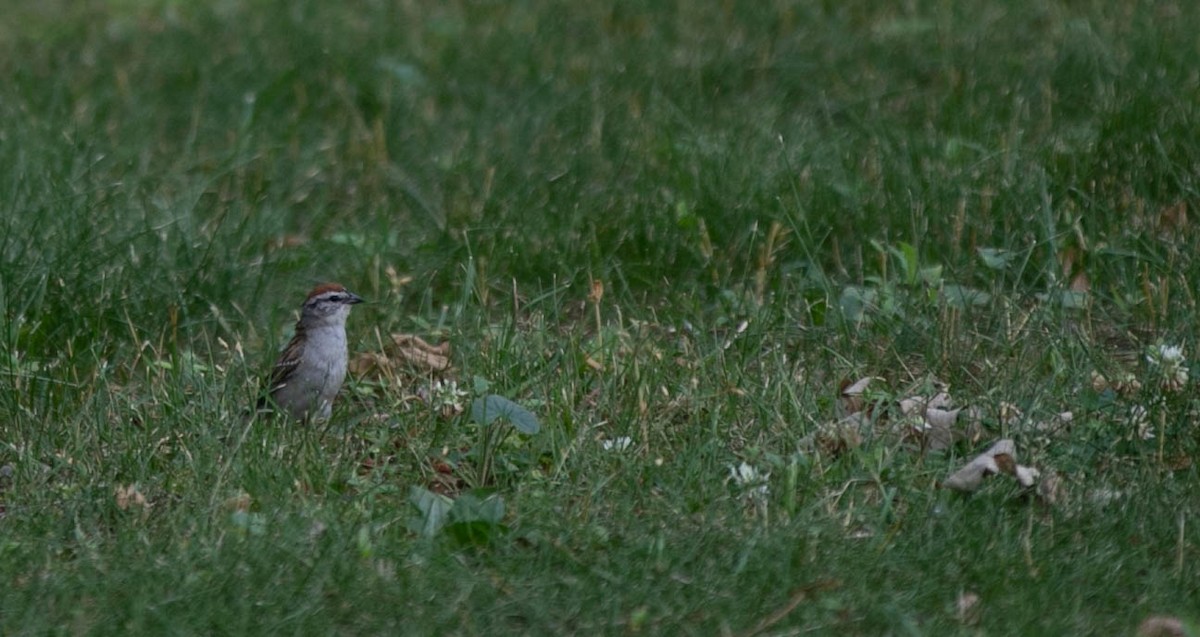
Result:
x=288 y=241
x=369 y=364
x=1006 y=463
x=1179 y=462
x=130 y=496
x=911 y=406
x=1080 y=282
x=239 y=501
x=852 y=394
x=1162 y=626
x=857 y=387
x=936 y=426
x=999 y=458
x=406 y=350
x=1026 y=476
x=415 y=351
x=1173 y=219
x=941 y=401
x=939 y=428
x=967 y=608
x=837 y=437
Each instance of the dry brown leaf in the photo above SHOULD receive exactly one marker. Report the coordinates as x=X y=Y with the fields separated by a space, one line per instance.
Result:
x=405 y=349
x=837 y=437
x=936 y=426
x=369 y=364
x=939 y=428
x=999 y=458
x=1006 y=463
x=289 y=241
x=910 y=406
x=1179 y=462
x=941 y=401
x=130 y=496
x=240 y=501
x=852 y=394
x=857 y=387
x=1080 y=283
x=1026 y=476
x=415 y=351
x=1162 y=626
x=1173 y=219
x=597 y=291
x=967 y=608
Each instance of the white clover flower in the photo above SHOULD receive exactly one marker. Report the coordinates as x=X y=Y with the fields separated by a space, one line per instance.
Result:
x=1165 y=355
x=1139 y=421
x=446 y=395
x=1169 y=363
x=743 y=474
x=1171 y=353
x=749 y=478
x=620 y=443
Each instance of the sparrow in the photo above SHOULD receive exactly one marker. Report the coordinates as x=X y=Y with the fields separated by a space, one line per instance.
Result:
x=310 y=371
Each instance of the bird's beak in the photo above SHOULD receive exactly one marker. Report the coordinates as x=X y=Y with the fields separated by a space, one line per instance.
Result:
x=354 y=299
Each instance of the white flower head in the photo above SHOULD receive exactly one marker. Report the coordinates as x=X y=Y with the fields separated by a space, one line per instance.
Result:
x=1139 y=421
x=446 y=394
x=1171 y=353
x=755 y=482
x=743 y=474
x=1169 y=363
x=620 y=443
x=1165 y=355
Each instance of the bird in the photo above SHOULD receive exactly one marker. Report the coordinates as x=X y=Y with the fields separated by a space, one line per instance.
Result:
x=310 y=370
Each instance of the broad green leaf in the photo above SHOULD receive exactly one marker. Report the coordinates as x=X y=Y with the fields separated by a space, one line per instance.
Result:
x=475 y=518
x=963 y=296
x=996 y=258
x=470 y=506
x=932 y=275
x=432 y=509
x=487 y=409
x=856 y=301
x=474 y=532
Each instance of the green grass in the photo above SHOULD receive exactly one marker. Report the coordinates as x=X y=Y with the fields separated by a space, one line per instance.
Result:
x=777 y=197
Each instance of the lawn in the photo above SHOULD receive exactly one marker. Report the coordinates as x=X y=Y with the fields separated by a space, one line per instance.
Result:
x=745 y=282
